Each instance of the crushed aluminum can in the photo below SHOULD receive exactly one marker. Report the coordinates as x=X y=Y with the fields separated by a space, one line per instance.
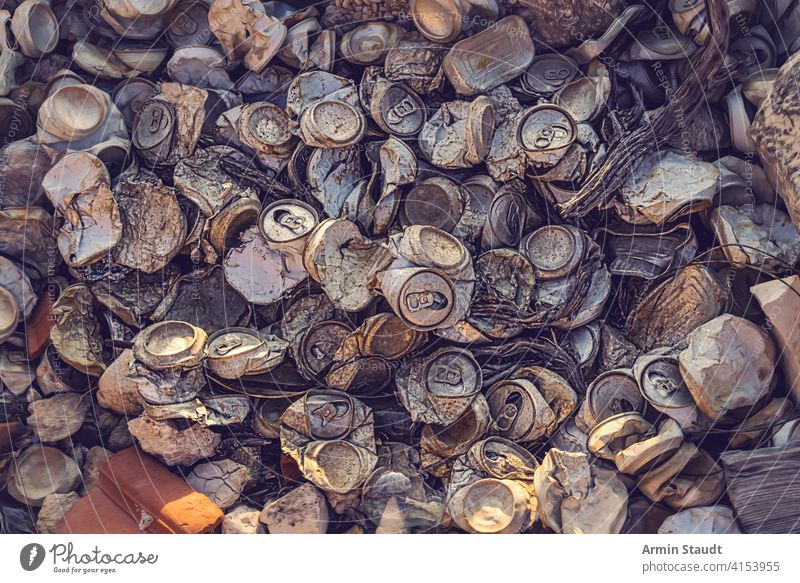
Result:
x=659 y=377
x=545 y=132
x=716 y=519
x=261 y=273
x=512 y=278
x=78 y=185
x=345 y=276
x=689 y=477
x=170 y=345
x=739 y=350
x=368 y=43
x=490 y=489
x=675 y=307
x=667 y=186
x=507 y=45
x=613 y=392
x=236 y=352
x=397 y=109
x=578 y=497
x=520 y=411
x=459 y=134
x=436 y=201
x=396 y=498
x=331 y=437
x=632 y=442
x=440 y=387
x=555 y=251
x=441 y=444
x=417 y=63
x=35 y=28
x=76 y=331
x=648 y=253
x=508 y=217
x=759 y=236
x=287 y=226
x=548 y=73
x=332 y=124
x=246 y=31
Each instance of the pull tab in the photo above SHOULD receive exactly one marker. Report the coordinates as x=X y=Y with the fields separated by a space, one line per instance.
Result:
x=400 y=110
x=556 y=76
x=664 y=385
x=430 y=300
x=662 y=33
x=322 y=349
x=447 y=375
x=291 y=221
x=228 y=343
x=507 y=416
x=328 y=412
x=156 y=117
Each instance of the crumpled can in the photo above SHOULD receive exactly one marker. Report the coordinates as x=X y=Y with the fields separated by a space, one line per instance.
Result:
x=613 y=392
x=689 y=477
x=331 y=437
x=438 y=388
x=632 y=442
x=236 y=352
x=396 y=498
x=728 y=366
x=459 y=134
x=490 y=489
x=716 y=519
x=578 y=497
x=440 y=444
x=659 y=377
x=508 y=46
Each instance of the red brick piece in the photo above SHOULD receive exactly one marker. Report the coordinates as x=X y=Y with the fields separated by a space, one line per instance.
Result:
x=135 y=493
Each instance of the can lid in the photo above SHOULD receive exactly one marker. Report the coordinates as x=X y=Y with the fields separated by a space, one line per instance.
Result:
x=189 y=25
x=662 y=384
x=453 y=372
x=554 y=250
x=154 y=124
x=664 y=40
x=15 y=121
x=399 y=111
x=234 y=342
x=549 y=73
x=285 y=221
x=546 y=128
x=512 y=408
x=615 y=391
x=329 y=414
x=387 y=336
x=427 y=298
x=320 y=344
x=334 y=122
x=266 y=125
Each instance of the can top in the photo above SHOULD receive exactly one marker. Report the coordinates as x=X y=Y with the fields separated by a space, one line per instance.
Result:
x=285 y=221
x=427 y=299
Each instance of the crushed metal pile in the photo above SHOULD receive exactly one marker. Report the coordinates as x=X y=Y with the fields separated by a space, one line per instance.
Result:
x=484 y=266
